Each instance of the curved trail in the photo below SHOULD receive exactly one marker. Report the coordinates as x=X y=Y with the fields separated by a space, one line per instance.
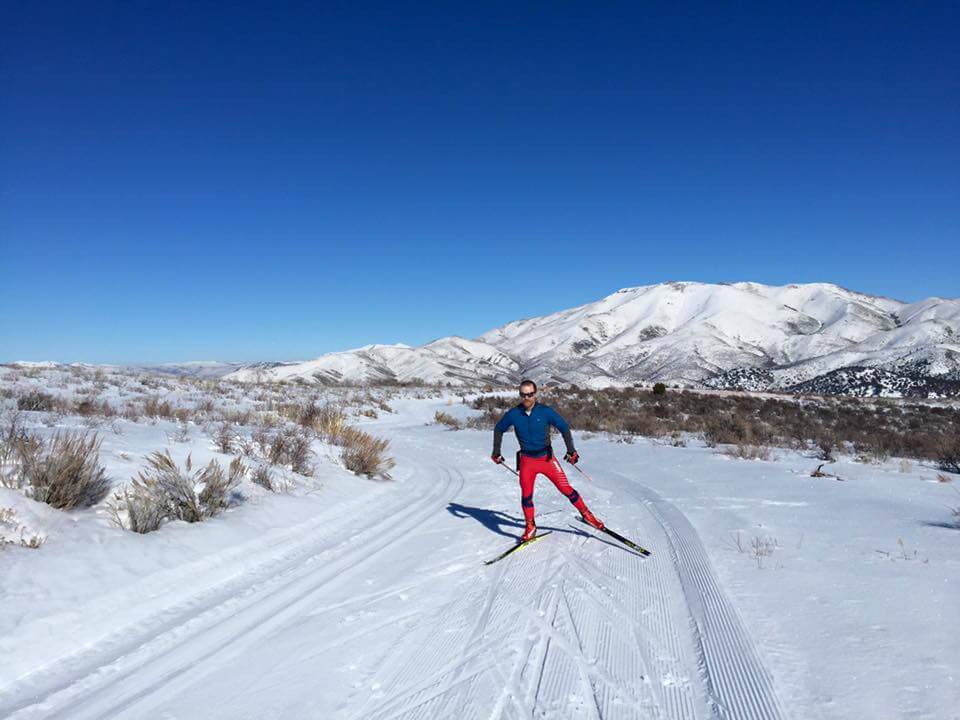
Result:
x=402 y=621
x=137 y=661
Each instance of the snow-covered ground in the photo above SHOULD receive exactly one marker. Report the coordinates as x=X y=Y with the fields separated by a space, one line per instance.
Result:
x=352 y=598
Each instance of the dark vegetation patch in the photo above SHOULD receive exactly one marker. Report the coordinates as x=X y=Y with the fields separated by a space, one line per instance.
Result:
x=876 y=429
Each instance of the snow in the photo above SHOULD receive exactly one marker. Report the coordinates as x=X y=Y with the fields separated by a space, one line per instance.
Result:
x=350 y=598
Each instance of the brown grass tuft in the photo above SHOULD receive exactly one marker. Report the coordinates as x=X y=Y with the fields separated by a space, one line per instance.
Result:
x=364 y=454
x=64 y=472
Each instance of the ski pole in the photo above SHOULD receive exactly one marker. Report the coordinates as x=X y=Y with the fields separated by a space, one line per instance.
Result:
x=504 y=464
x=583 y=473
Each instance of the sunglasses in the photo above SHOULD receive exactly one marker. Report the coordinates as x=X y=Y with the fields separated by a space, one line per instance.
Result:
x=528 y=395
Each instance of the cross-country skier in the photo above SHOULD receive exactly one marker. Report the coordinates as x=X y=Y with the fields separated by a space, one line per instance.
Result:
x=531 y=421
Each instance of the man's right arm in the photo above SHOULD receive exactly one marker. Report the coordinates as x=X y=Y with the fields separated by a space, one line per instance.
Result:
x=499 y=429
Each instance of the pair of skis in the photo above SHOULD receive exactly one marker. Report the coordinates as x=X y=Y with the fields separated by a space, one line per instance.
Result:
x=612 y=533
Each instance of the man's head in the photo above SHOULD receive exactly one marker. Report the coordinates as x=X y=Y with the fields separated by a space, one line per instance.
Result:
x=528 y=393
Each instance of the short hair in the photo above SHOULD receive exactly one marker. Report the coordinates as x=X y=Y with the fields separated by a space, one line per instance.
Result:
x=528 y=382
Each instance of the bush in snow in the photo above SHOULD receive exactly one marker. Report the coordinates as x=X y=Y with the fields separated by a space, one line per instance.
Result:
x=364 y=454
x=225 y=438
x=442 y=418
x=263 y=477
x=64 y=472
x=328 y=421
x=154 y=407
x=166 y=492
x=825 y=447
x=13 y=533
x=38 y=401
x=290 y=447
x=743 y=451
x=144 y=505
x=948 y=454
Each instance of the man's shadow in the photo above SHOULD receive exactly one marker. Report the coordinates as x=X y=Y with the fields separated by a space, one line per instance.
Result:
x=493 y=520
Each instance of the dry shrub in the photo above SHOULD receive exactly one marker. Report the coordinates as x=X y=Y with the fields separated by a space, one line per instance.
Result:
x=64 y=472
x=328 y=421
x=443 y=418
x=19 y=533
x=948 y=454
x=263 y=477
x=88 y=407
x=38 y=401
x=874 y=455
x=144 y=506
x=154 y=407
x=289 y=447
x=364 y=454
x=131 y=412
x=260 y=440
x=239 y=417
x=762 y=546
x=225 y=438
x=825 y=449
x=183 y=415
x=166 y=492
x=181 y=433
x=748 y=452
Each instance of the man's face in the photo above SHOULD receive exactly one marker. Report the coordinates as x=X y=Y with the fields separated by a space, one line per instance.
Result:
x=528 y=396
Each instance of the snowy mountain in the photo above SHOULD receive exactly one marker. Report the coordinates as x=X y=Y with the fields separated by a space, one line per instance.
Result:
x=453 y=359
x=739 y=335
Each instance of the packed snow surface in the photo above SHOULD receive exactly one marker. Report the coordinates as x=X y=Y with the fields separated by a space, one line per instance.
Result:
x=769 y=594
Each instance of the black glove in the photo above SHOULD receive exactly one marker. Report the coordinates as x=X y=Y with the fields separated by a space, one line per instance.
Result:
x=572 y=457
x=497 y=458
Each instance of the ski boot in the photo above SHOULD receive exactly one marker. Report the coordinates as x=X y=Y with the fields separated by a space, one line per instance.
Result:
x=529 y=533
x=589 y=518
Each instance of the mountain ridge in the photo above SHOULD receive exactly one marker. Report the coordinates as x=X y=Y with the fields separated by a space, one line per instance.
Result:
x=678 y=332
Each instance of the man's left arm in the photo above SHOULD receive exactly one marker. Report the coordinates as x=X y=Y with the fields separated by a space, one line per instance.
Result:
x=560 y=424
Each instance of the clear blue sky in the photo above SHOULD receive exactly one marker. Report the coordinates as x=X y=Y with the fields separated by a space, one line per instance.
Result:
x=246 y=181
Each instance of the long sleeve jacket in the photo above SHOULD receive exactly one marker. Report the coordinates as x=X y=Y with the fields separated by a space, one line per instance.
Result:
x=532 y=429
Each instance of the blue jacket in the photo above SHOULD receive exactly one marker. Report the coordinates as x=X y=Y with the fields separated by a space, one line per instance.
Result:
x=532 y=430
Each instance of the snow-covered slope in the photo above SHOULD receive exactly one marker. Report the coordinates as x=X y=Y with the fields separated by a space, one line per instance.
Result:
x=769 y=593
x=696 y=333
x=453 y=359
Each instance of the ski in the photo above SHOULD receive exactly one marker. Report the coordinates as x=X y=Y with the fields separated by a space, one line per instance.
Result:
x=617 y=536
x=516 y=547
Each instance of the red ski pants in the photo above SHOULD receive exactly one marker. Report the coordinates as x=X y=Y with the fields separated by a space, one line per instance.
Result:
x=530 y=467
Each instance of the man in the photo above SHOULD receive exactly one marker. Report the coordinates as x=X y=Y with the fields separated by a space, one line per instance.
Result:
x=531 y=421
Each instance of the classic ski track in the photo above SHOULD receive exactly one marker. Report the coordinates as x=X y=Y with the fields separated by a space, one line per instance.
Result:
x=418 y=674
x=624 y=637
x=564 y=646
x=256 y=602
x=737 y=683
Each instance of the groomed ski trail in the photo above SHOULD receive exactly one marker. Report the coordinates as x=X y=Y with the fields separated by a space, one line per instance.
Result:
x=580 y=628
x=737 y=683
x=572 y=627
x=172 y=644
